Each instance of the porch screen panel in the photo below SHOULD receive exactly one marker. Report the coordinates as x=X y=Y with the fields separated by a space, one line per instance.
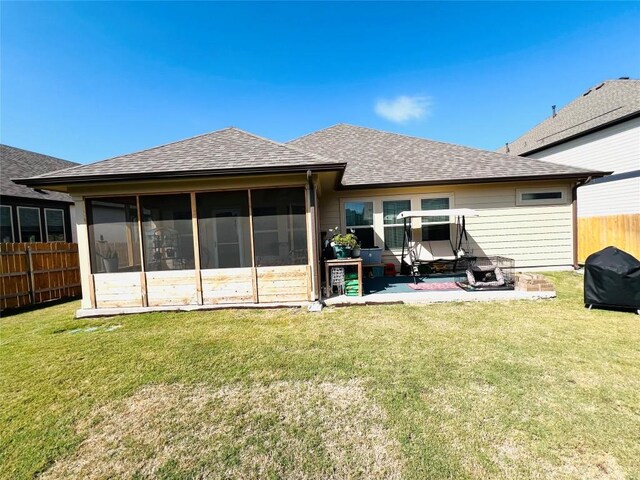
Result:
x=167 y=232
x=359 y=219
x=279 y=226
x=393 y=228
x=223 y=229
x=29 y=221
x=435 y=232
x=114 y=242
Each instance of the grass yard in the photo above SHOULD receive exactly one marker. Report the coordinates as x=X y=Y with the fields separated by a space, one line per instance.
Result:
x=523 y=389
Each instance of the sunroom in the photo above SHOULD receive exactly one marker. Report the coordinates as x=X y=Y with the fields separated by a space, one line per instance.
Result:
x=223 y=219
x=200 y=248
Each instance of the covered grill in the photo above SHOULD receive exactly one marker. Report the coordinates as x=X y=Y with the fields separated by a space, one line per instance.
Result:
x=612 y=279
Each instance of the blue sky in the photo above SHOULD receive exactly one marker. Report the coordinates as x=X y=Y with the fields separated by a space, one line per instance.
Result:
x=86 y=81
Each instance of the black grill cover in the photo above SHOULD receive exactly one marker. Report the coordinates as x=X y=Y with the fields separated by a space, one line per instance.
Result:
x=612 y=279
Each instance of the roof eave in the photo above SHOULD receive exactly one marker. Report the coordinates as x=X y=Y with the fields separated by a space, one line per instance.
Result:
x=467 y=181
x=581 y=134
x=131 y=177
x=35 y=199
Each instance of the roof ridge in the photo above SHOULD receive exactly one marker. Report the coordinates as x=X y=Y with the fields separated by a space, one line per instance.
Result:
x=413 y=137
x=285 y=145
x=582 y=97
x=316 y=131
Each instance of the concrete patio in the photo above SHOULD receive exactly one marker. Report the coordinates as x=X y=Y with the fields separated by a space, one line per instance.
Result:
x=399 y=289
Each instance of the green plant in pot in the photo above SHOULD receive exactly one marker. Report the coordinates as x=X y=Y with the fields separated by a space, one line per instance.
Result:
x=344 y=244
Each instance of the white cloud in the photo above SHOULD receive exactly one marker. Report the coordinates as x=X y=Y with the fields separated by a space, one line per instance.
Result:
x=404 y=108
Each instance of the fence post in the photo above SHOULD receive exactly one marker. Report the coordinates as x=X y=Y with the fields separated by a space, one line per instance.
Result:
x=32 y=277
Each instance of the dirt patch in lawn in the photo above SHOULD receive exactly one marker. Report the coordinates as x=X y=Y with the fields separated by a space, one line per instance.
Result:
x=284 y=429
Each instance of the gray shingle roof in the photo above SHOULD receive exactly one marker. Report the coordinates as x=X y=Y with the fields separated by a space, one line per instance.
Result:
x=602 y=104
x=224 y=151
x=18 y=163
x=376 y=157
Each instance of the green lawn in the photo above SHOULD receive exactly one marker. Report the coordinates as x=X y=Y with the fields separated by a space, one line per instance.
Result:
x=530 y=389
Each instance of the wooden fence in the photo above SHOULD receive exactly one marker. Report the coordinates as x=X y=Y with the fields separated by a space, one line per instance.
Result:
x=32 y=273
x=596 y=233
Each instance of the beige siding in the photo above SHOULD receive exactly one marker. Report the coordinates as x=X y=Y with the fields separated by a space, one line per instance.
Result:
x=534 y=236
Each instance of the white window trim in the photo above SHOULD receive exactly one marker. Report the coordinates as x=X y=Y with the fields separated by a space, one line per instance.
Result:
x=546 y=201
x=46 y=226
x=397 y=224
x=432 y=196
x=20 y=226
x=451 y=198
x=378 y=220
x=343 y=219
x=13 y=232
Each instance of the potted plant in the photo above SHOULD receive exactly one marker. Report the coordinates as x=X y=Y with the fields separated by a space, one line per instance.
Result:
x=355 y=251
x=110 y=260
x=344 y=244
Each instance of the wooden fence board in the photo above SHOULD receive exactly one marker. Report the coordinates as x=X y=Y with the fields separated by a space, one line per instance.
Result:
x=596 y=233
x=38 y=272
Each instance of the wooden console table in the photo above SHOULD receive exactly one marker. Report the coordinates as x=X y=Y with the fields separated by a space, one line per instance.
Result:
x=342 y=262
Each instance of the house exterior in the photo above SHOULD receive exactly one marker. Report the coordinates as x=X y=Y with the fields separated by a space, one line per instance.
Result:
x=31 y=214
x=599 y=130
x=230 y=218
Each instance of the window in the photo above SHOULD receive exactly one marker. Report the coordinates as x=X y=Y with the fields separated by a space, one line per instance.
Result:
x=541 y=196
x=29 y=224
x=114 y=243
x=279 y=226
x=393 y=228
x=54 y=225
x=167 y=232
x=431 y=230
x=223 y=229
x=6 y=224
x=359 y=218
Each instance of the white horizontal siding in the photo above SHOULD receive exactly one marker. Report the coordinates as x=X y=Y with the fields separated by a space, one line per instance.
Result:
x=611 y=198
x=536 y=235
x=614 y=149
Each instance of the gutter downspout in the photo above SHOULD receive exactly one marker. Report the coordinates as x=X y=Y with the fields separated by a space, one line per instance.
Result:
x=574 y=218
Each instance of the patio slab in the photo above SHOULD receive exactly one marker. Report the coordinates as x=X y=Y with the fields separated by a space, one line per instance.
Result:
x=436 y=297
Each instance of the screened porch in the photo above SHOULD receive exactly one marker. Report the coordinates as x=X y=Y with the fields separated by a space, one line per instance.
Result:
x=201 y=248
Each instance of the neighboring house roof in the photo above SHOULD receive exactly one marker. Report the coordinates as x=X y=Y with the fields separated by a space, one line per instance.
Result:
x=604 y=104
x=374 y=157
x=19 y=163
x=228 y=151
